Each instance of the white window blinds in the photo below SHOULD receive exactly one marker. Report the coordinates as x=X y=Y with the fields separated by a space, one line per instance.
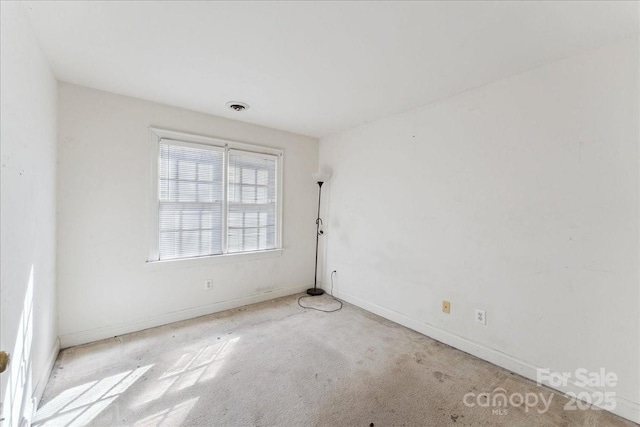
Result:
x=252 y=201
x=191 y=201
x=198 y=216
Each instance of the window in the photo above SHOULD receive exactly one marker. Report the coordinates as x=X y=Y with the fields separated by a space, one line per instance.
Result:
x=251 y=202
x=213 y=197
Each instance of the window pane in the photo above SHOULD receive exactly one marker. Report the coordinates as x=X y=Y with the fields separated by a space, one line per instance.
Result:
x=207 y=219
x=263 y=177
x=190 y=216
x=190 y=243
x=186 y=170
x=252 y=202
x=248 y=176
x=205 y=192
x=250 y=239
x=234 y=193
x=186 y=192
x=261 y=195
x=188 y=231
x=191 y=220
x=235 y=238
x=207 y=243
x=172 y=164
x=167 y=246
x=248 y=194
x=262 y=238
x=235 y=219
x=205 y=172
x=164 y=189
x=251 y=219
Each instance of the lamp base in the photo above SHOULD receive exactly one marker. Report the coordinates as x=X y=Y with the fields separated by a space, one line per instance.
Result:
x=315 y=292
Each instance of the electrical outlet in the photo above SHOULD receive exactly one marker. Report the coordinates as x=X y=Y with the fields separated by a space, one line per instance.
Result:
x=446 y=307
x=481 y=316
x=208 y=284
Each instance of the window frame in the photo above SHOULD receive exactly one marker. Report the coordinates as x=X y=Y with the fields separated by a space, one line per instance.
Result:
x=193 y=140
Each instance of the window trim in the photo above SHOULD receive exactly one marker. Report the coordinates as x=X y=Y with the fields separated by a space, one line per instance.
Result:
x=188 y=139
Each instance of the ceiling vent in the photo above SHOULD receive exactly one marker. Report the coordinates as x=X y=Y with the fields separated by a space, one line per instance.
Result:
x=237 y=106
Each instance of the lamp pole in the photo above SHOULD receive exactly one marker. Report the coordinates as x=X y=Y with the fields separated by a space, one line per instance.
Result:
x=315 y=291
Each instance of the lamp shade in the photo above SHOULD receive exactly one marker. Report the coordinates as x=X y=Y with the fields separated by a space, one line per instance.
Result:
x=321 y=176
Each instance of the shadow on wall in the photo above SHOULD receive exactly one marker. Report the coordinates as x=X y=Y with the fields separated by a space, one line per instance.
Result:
x=80 y=405
x=17 y=403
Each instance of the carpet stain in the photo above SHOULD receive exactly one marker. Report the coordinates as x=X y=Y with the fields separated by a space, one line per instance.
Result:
x=261 y=365
x=441 y=377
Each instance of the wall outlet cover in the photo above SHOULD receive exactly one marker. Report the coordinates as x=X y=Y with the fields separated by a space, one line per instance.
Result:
x=446 y=307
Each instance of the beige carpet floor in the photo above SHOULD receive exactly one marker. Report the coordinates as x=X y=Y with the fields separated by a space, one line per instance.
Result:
x=276 y=364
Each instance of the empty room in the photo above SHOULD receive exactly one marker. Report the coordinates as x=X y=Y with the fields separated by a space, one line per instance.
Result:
x=320 y=213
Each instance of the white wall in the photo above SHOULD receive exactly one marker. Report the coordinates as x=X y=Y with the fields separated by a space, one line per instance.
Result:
x=519 y=198
x=105 y=286
x=28 y=324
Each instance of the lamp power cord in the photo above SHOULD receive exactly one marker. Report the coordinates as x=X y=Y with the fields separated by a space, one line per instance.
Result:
x=331 y=295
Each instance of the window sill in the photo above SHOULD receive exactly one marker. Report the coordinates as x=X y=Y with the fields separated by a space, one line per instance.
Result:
x=213 y=259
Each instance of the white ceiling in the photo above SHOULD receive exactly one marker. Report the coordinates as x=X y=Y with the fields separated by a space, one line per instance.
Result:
x=314 y=68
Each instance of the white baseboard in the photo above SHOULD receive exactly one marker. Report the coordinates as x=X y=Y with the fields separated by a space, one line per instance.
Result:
x=625 y=408
x=38 y=390
x=91 y=335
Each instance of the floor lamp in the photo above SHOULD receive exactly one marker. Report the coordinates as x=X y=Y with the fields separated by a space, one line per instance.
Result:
x=320 y=178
